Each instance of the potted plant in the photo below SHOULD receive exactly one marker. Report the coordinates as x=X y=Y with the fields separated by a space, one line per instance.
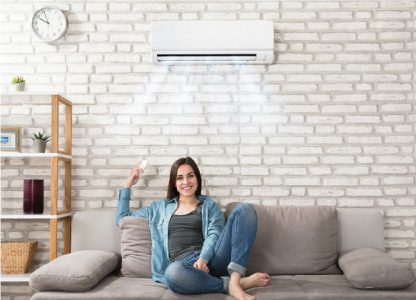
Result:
x=19 y=83
x=40 y=141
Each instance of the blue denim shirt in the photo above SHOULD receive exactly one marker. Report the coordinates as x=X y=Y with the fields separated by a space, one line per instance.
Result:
x=159 y=213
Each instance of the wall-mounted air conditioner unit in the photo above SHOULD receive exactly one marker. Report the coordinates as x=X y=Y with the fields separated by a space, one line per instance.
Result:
x=212 y=42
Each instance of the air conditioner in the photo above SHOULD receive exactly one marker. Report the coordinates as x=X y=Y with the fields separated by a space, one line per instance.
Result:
x=212 y=42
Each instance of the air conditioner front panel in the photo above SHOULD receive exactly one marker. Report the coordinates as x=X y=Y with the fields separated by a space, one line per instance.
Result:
x=198 y=40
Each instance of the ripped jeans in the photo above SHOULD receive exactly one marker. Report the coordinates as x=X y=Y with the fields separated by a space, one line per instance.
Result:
x=231 y=254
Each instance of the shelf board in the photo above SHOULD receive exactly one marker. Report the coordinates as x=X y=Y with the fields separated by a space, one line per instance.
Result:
x=15 y=277
x=29 y=154
x=19 y=215
x=11 y=93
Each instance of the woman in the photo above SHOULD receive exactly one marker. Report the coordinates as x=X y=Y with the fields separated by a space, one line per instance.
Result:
x=192 y=251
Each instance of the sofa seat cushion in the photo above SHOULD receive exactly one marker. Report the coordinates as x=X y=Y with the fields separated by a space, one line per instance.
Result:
x=112 y=287
x=282 y=287
x=294 y=240
x=124 y=288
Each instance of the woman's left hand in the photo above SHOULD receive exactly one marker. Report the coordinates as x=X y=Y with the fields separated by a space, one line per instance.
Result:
x=201 y=264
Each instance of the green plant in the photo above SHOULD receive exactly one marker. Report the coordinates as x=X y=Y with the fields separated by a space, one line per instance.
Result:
x=18 y=80
x=40 y=136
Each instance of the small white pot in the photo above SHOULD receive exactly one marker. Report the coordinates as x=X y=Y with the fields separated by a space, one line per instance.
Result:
x=40 y=146
x=19 y=87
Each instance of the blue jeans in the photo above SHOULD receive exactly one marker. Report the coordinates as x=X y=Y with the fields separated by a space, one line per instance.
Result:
x=231 y=254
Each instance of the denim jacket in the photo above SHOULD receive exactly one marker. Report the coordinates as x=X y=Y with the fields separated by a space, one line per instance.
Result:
x=159 y=213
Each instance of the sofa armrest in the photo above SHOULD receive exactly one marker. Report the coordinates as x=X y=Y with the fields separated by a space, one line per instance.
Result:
x=75 y=272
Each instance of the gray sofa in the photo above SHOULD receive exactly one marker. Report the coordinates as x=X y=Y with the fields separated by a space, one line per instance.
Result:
x=301 y=236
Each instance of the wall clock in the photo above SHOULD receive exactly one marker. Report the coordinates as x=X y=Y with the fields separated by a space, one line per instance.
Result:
x=49 y=23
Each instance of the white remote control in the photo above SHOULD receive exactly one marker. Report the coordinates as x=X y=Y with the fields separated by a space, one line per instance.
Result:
x=143 y=164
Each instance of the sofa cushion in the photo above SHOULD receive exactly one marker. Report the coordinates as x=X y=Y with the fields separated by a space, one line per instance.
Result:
x=88 y=234
x=74 y=272
x=360 y=228
x=370 y=268
x=282 y=287
x=294 y=240
x=136 y=247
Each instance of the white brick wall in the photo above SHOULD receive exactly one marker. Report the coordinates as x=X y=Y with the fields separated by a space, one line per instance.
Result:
x=331 y=122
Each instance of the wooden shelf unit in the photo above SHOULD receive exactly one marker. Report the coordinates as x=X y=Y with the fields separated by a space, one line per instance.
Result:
x=55 y=156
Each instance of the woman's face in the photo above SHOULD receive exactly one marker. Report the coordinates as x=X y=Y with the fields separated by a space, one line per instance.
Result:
x=186 y=181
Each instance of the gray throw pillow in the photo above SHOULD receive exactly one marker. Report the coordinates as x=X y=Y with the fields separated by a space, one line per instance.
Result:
x=75 y=272
x=136 y=247
x=371 y=268
x=294 y=240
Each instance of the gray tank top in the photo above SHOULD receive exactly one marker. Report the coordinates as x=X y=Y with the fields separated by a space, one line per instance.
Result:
x=185 y=234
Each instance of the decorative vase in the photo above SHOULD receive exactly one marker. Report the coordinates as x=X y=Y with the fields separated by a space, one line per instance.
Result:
x=20 y=87
x=40 y=146
x=33 y=196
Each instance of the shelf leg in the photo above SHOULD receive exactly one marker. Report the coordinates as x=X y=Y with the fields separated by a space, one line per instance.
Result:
x=67 y=185
x=67 y=235
x=53 y=239
x=54 y=185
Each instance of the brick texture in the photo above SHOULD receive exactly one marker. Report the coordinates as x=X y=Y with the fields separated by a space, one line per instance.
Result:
x=330 y=122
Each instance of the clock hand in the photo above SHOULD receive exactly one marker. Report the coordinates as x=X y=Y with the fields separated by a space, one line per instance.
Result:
x=47 y=21
x=43 y=20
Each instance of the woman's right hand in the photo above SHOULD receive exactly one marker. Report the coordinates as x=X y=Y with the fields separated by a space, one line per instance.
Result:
x=134 y=177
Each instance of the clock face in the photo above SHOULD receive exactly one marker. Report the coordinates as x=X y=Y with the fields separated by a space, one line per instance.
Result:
x=49 y=23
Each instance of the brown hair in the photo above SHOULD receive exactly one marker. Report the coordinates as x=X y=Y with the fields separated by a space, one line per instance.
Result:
x=172 y=191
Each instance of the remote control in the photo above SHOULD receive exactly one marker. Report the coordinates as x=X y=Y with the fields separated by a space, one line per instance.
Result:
x=143 y=164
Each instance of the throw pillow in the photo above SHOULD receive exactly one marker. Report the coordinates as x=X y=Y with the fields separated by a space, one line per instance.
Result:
x=371 y=268
x=136 y=247
x=75 y=272
x=294 y=240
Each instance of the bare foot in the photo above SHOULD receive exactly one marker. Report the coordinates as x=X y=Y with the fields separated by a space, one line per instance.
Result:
x=255 y=280
x=235 y=290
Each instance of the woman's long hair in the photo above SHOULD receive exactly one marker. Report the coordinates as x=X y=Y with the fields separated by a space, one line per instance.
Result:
x=172 y=191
